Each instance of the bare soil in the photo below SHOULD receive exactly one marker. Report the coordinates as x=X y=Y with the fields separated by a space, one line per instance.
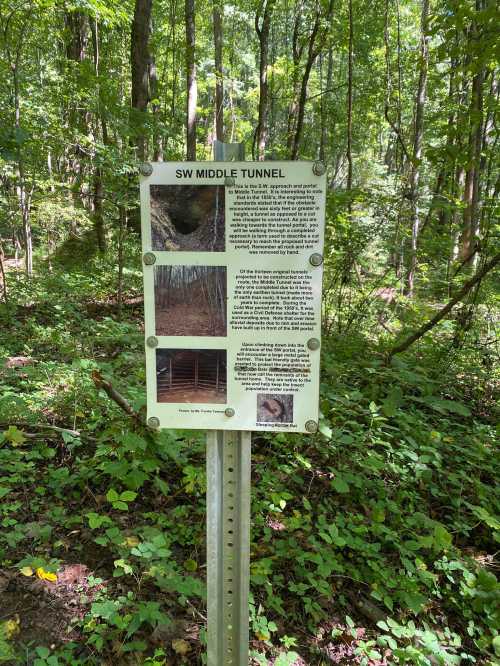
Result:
x=193 y=395
x=185 y=319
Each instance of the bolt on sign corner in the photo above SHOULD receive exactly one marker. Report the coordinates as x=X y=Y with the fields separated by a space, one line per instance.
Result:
x=232 y=258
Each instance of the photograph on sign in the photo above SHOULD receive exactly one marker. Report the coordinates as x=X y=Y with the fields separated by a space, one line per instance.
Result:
x=232 y=293
x=191 y=375
x=276 y=408
x=190 y=300
x=187 y=218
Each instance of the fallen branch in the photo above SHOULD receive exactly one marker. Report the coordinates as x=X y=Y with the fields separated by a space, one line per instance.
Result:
x=113 y=394
x=403 y=346
x=42 y=426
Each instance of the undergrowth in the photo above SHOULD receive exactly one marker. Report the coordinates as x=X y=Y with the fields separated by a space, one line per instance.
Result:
x=373 y=541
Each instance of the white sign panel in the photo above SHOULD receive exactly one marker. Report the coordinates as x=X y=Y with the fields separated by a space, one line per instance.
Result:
x=232 y=294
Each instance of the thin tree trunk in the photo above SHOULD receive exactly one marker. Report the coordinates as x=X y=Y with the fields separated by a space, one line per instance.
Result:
x=418 y=135
x=122 y=225
x=97 y=180
x=315 y=44
x=264 y=12
x=403 y=346
x=192 y=88
x=349 y=107
x=155 y=107
x=2 y=273
x=219 y=79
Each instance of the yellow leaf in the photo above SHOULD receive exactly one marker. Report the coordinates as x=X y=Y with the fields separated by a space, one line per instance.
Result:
x=131 y=541
x=27 y=571
x=180 y=646
x=11 y=627
x=46 y=575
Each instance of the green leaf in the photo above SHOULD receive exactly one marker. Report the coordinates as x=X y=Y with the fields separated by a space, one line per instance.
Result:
x=112 y=495
x=340 y=485
x=42 y=652
x=128 y=496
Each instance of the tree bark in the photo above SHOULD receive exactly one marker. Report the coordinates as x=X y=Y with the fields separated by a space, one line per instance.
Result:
x=472 y=174
x=192 y=87
x=418 y=134
x=140 y=62
x=316 y=41
x=403 y=346
x=2 y=273
x=219 y=79
x=264 y=12
x=349 y=107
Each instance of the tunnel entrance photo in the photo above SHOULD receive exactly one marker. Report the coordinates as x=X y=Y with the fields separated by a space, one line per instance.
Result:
x=191 y=375
x=188 y=218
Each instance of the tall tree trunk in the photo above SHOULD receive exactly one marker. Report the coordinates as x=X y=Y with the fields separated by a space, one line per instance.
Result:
x=297 y=50
x=264 y=14
x=140 y=63
x=418 y=135
x=219 y=79
x=192 y=88
x=325 y=98
x=2 y=274
x=316 y=40
x=97 y=185
x=468 y=236
x=349 y=107
x=156 y=108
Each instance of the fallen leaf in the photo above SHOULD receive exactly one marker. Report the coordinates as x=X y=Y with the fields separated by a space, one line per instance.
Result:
x=46 y=575
x=11 y=627
x=180 y=646
x=14 y=435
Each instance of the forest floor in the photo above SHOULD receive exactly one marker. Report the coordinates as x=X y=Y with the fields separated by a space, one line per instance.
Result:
x=373 y=541
x=192 y=395
x=187 y=319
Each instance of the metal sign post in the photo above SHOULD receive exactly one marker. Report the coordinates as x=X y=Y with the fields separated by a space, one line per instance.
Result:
x=228 y=526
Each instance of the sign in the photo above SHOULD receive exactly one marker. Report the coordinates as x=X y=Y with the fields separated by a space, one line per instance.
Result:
x=232 y=294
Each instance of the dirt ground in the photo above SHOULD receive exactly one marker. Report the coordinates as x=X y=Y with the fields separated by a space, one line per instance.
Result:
x=184 y=319
x=193 y=395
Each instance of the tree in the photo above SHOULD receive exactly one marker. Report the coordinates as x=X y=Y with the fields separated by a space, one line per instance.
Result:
x=192 y=87
x=140 y=60
x=263 y=18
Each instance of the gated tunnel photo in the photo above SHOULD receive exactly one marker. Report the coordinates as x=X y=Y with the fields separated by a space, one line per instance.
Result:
x=191 y=375
x=190 y=300
x=188 y=218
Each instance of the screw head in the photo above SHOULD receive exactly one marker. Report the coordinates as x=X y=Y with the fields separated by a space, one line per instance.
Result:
x=229 y=181
x=311 y=426
x=313 y=344
x=319 y=168
x=316 y=259
x=229 y=411
x=146 y=169
x=153 y=422
x=149 y=259
x=152 y=341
